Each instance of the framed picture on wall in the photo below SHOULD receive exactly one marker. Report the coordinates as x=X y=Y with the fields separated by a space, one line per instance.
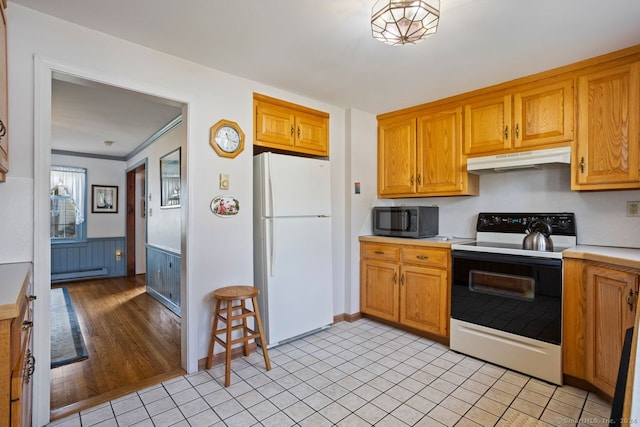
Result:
x=104 y=199
x=170 y=180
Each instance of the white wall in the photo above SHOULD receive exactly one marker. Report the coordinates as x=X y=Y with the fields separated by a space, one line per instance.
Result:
x=163 y=224
x=361 y=167
x=600 y=216
x=209 y=96
x=100 y=172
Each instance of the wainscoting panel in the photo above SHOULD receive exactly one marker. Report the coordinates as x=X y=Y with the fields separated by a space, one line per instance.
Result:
x=163 y=276
x=93 y=258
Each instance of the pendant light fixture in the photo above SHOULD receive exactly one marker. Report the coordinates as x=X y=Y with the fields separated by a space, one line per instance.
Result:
x=404 y=21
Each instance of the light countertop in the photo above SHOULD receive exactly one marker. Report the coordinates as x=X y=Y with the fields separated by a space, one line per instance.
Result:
x=12 y=279
x=437 y=241
x=626 y=257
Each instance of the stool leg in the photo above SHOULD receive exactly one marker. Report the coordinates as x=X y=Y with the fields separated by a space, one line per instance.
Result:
x=213 y=335
x=265 y=353
x=227 y=367
x=245 y=328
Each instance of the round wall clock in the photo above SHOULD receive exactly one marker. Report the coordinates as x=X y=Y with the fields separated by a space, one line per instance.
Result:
x=226 y=138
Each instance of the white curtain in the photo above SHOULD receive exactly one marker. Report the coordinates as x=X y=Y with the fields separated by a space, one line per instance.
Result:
x=73 y=181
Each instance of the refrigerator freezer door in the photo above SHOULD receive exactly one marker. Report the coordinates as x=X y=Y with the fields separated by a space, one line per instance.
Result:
x=295 y=186
x=298 y=290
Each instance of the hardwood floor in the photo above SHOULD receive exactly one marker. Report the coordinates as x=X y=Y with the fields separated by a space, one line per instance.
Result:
x=132 y=341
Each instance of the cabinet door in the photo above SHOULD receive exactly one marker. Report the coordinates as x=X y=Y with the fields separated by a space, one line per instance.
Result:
x=379 y=289
x=611 y=305
x=439 y=152
x=423 y=299
x=275 y=125
x=4 y=119
x=396 y=157
x=608 y=129
x=543 y=115
x=311 y=134
x=488 y=125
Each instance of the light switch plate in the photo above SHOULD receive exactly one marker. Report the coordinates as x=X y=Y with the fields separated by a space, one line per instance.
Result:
x=224 y=181
x=633 y=208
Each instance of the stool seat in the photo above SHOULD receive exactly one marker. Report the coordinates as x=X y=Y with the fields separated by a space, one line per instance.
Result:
x=236 y=292
x=238 y=313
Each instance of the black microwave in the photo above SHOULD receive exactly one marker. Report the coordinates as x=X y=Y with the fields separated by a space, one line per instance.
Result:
x=405 y=221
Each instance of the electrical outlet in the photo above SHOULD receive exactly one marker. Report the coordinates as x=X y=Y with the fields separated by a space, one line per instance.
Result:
x=633 y=209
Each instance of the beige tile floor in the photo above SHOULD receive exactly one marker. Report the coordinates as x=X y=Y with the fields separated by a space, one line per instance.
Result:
x=352 y=374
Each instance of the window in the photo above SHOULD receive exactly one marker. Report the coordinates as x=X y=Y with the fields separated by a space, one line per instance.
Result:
x=68 y=195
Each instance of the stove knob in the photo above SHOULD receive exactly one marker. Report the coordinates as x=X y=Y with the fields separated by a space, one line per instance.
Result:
x=563 y=224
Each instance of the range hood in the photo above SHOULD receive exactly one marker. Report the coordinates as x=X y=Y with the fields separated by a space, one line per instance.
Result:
x=522 y=160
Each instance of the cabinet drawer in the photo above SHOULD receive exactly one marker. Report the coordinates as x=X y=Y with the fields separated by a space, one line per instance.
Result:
x=381 y=252
x=426 y=256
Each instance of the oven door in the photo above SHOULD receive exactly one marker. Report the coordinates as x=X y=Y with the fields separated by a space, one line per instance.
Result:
x=516 y=294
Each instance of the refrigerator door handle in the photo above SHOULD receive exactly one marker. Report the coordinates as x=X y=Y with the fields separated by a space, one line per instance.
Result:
x=272 y=247
x=272 y=209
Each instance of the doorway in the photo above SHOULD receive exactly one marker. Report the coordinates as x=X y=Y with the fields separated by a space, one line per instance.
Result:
x=128 y=168
x=136 y=219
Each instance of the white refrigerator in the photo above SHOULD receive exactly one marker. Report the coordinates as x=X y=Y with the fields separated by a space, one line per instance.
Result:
x=292 y=245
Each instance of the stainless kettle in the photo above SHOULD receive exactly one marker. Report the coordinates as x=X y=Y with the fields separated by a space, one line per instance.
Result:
x=538 y=237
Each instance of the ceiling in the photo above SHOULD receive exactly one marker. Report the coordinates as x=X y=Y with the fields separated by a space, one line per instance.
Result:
x=324 y=49
x=85 y=114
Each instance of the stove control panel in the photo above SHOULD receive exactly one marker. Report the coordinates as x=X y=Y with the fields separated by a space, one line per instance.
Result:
x=563 y=224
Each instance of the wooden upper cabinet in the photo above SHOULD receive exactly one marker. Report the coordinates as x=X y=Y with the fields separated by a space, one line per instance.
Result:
x=4 y=109
x=396 y=156
x=421 y=156
x=274 y=124
x=543 y=115
x=282 y=125
x=606 y=149
x=531 y=117
x=488 y=125
x=441 y=166
x=311 y=133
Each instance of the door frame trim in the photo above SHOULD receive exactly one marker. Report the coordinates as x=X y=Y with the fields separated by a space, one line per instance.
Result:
x=44 y=69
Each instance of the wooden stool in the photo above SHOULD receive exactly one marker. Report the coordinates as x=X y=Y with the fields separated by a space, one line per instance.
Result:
x=231 y=294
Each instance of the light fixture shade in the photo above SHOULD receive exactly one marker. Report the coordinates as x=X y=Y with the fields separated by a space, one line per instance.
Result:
x=404 y=21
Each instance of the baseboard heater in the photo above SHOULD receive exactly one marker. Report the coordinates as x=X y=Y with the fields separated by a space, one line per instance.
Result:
x=80 y=274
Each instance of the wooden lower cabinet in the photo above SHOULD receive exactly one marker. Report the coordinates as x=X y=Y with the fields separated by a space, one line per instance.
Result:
x=600 y=303
x=16 y=358
x=407 y=285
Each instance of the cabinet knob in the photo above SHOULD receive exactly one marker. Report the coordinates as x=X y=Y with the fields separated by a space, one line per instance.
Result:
x=395 y=277
x=423 y=257
x=29 y=367
x=630 y=299
x=411 y=180
x=31 y=298
x=506 y=132
x=402 y=280
x=292 y=130
x=298 y=132
x=26 y=325
x=419 y=180
x=3 y=129
x=517 y=130
x=379 y=252
x=581 y=164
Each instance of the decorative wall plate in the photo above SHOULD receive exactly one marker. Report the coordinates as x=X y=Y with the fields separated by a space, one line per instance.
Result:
x=225 y=206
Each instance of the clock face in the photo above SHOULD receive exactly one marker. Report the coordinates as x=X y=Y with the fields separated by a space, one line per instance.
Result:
x=228 y=139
